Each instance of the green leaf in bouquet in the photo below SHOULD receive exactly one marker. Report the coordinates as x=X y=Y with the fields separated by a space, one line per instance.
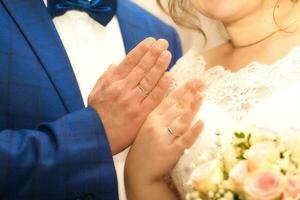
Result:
x=241 y=156
x=240 y=135
x=242 y=145
x=249 y=138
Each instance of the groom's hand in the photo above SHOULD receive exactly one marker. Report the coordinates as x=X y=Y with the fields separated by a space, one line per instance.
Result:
x=125 y=94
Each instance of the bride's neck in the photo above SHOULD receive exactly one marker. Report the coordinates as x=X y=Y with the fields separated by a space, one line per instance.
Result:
x=262 y=24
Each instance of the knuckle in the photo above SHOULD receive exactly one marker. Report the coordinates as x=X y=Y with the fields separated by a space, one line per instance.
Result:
x=124 y=103
x=152 y=129
x=179 y=106
x=184 y=143
x=184 y=121
x=140 y=69
x=154 y=95
x=144 y=47
x=185 y=127
x=160 y=89
x=187 y=86
x=134 y=112
x=105 y=85
x=147 y=81
x=178 y=147
x=162 y=85
x=117 y=90
x=130 y=109
x=128 y=61
x=109 y=72
x=181 y=122
x=155 y=50
x=161 y=61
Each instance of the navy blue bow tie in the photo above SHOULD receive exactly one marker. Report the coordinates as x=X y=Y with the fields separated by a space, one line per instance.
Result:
x=100 y=10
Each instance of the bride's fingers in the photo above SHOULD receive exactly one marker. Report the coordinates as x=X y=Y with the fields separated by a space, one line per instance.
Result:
x=175 y=96
x=181 y=105
x=187 y=140
x=183 y=123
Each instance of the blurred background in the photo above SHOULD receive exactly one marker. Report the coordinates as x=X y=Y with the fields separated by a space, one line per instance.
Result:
x=189 y=38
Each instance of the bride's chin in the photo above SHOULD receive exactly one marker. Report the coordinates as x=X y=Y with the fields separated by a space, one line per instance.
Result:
x=227 y=18
x=225 y=12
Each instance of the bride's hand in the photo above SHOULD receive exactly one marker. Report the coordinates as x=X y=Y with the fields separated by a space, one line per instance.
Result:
x=165 y=135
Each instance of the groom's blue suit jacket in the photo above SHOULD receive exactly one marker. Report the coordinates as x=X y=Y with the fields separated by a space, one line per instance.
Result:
x=51 y=146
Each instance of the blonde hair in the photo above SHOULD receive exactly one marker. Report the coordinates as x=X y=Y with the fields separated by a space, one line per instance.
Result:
x=183 y=13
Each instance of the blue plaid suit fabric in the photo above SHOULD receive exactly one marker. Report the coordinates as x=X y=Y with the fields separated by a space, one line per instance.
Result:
x=51 y=146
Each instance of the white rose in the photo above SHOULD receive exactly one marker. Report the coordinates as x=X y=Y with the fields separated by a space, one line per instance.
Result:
x=261 y=155
x=291 y=142
x=238 y=174
x=259 y=135
x=207 y=176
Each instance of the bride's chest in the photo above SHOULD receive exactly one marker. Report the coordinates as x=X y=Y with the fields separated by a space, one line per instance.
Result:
x=240 y=92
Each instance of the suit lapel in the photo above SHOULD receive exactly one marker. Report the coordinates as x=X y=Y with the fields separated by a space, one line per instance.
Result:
x=132 y=31
x=32 y=18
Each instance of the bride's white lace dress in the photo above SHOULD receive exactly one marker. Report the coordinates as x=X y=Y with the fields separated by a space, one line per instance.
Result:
x=261 y=94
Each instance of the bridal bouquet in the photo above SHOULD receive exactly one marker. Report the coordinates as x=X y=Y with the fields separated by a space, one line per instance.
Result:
x=257 y=164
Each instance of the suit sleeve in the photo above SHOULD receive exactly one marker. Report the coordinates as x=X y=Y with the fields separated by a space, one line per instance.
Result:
x=63 y=159
x=175 y=47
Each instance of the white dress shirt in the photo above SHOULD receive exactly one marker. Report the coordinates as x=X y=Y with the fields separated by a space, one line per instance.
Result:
x=91 y=48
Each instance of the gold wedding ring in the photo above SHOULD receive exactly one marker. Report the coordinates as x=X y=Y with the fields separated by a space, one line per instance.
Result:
x=171 y=131
x=143 y=89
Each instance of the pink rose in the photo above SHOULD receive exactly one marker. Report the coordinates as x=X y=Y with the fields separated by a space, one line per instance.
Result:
x=292 y=191
x=264 y=185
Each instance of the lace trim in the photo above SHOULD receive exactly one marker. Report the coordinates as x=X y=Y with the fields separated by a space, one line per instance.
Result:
x=238 y=92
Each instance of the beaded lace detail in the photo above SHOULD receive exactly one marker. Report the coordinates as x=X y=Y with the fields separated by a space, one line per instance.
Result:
x=238 y=92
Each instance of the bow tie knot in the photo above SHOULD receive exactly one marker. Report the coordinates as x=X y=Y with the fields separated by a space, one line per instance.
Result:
x=100 y=10
x=83 y=5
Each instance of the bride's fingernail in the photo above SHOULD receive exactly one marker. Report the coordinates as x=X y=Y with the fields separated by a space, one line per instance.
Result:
x=168 y=77
x=198 y=85
x=198 y=96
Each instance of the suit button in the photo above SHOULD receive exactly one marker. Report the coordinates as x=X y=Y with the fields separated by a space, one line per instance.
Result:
x=89 y=197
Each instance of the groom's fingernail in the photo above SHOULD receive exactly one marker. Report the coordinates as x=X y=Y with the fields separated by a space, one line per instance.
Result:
x=149 y=41
x=161 y=44
x=165 y=54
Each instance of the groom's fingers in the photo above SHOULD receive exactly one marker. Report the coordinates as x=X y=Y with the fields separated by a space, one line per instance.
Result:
x=149 y=82
x=134 y=57
x=158 y=93
x=145 y=64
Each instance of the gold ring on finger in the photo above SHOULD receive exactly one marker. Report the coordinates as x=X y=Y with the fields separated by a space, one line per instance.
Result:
x=143 y=89
x=171 y=132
